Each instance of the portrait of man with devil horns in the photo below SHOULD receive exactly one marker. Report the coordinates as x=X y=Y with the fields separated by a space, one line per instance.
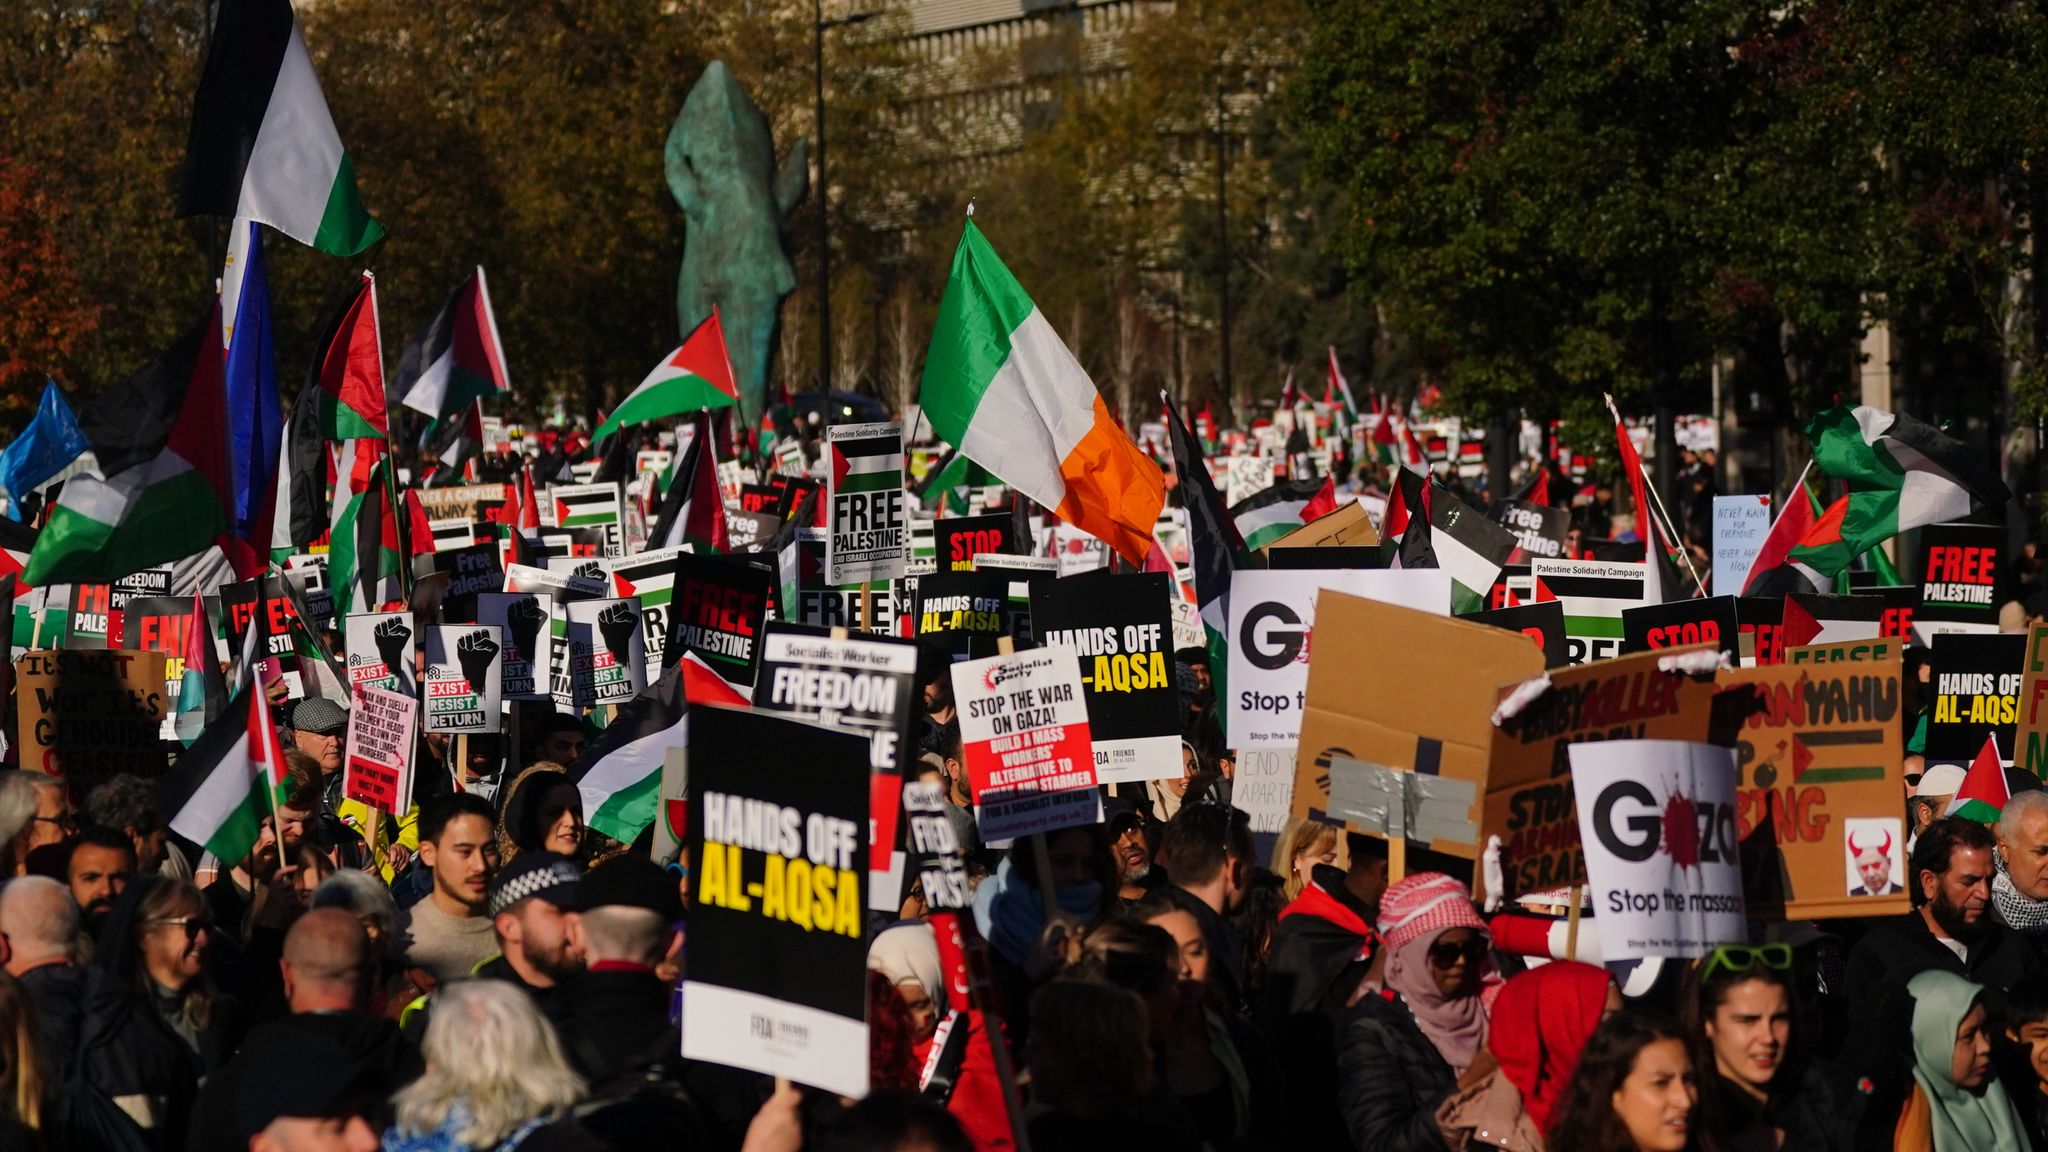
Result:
x=1871 y=852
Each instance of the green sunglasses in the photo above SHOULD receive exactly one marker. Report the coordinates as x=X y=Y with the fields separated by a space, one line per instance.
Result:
x=1737 y=958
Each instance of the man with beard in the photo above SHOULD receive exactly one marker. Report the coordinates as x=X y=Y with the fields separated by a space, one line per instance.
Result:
x=100 y=863
x=529 y=905
x=1953 y=929
x=1136 y=876
x=447 y=934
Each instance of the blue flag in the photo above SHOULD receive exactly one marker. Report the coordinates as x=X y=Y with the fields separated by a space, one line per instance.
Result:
x=46 y=447
x=255 y=414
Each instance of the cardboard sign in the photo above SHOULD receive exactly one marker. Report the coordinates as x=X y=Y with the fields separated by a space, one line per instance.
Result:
x=1682 y=624
x=1529 y=802
x=1658 y=819
x=2031 y=730
x=380 y=649
x=1120 y=629
x=1542 y=623
x=465 y=678
x=776 y=959
x=471 y=571
x=1024 y=727
x=1272 y=615
x=868 y=528
x=1816 y=752
x=1975 y=692
x=717 y=611
x=1958 y=579
x=88 y=715
x=1741 y=524
x=465 y=502
x=1350 y=526
x=607 y=657
x=160 y=624
x=856 y=684
x=1595 y=594
x=521 y=619
x=1427 y=714
x=1759 y=620
x=378 y=768
x=649 y=577
x=1846 y=651
x=958 y=539
x=964 y=611
x=1538 y=529
x=590 y=506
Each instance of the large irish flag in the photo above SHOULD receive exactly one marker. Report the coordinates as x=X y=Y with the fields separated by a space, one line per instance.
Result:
x=225 y=784
x=696 y=375
x=263 y=146
x=1000 y=386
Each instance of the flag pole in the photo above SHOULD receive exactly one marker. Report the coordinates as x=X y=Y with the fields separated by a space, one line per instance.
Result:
x=1661 y=519
x=1798 y=485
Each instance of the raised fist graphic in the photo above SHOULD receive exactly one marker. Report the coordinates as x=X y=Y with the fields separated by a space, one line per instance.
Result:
x=591 y=570
x=616 y=624
x=474 y=652
x=523 y=618
x=390 y=637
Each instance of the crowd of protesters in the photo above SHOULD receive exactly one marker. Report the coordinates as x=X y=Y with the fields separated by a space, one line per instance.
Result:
x=489 y=973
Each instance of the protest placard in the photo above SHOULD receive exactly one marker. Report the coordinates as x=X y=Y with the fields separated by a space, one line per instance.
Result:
x=86 y=624
x=963 y=611
x=607 y=657
x=1529 y=802
x=1076 y=551
x=471 y=572
x=455 y=532
x=750 y=531
x=1658 y=820
x=1024 y=728
x=936 y=857
x=1740 y=525
x=379 y=647
x=1350 y=526
x=1542 y=623
x=378 y=768
x=776 y=958
x=959 y=538
x=1030 y=573
x=1271 y=617
x=521 y=619
x=1958 y=580
x=86 y=715
x=465 y=502
x=1817 y=618
x=649 y=577
x=560 y=588
x=1538 y=529
x=464 y=680
x=1816 y=752
x=868 y=531
x=2030 y=732
x=1757 y=622
x=150 y=582
x=1595 y=593
x=1119 y=627
x=1901 y=601
x=1682 y=624
x=1847 y=651
x=1975 y=692
x=1427 y=714
x=863 y=684
x=716 y=612
x=590 y=506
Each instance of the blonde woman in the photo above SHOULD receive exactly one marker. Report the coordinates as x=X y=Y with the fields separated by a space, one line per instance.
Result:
x=21 y=1074
x=1302 y=846
x=495 y=1074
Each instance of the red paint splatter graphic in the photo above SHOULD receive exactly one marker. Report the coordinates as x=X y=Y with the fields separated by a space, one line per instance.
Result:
x=1682 y=831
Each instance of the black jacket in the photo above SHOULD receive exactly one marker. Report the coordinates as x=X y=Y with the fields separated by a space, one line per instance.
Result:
x=58 y=992
x=1816 y=1114
x=614 y=1024
x=1310 y=973
x=499 y=968
x=1899 y=947
x=371 y=1042
x=1390 y=1079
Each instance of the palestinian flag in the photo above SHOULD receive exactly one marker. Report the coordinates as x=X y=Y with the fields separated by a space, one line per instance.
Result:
x=362 y=551
x=17 y=541
x=1266 y=516
x=203 y=690
x=1812 y=618
x=228 y=781
x=263 y=146
x=419 y=528
x=619 y=775
x=1537 y=491
x=1460 y=540
x=693 y=511
x=452 y=441
x=872 y=464
x=1593 y=604
x=1289 y=395
x=1343 y=387
x=1902 y=474
x=165 y=483
x=457 y=359
x=299 y=516
x=1984 y=792
x=1655 y=590
x=1000 y=385
x=694 y=376
x=951 y=479
x=1215 y=548
x=348 y=373
x=1776 y=570
x=1410 y=496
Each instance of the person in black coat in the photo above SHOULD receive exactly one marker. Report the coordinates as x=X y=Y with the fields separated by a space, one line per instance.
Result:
x=154 y=1025
x=1391 y=1080
x=1953 y=929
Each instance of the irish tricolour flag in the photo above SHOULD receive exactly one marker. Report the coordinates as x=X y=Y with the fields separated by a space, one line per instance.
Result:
x=226 y=783
x=1000 y=386
x=619 y=777
x=696 y=375
x=263 y=146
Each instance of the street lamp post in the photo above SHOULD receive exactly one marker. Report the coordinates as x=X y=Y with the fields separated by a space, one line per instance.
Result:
x=819 y=26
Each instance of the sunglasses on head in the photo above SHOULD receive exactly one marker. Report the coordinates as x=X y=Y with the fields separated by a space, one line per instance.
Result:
x=1445 y=953
x=1735 y=958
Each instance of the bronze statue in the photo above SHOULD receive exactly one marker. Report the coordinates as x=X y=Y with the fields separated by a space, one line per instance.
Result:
x=721 y=170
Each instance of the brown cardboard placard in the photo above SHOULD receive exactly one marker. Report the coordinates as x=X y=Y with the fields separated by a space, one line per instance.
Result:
x=1393 y=686
x=2030 y=734
x=1847 y=651
x=87 y=714
x=1349 y=526
x=464 y=502
x=1818 y=765
x=1529 y=801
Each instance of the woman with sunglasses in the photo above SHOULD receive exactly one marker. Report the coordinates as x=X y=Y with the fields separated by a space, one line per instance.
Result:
x=1756 y=1088
x=1400 y=1052
x=1541 y=1021
x=154 y=1026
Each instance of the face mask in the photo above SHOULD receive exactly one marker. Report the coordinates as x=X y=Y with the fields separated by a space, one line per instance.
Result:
x=1082 y=901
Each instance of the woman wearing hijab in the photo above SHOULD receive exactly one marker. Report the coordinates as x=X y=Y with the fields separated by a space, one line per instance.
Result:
x=907 y=955
x=1540 y=1023
x=1956 y=1104
x=1400 y=1053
